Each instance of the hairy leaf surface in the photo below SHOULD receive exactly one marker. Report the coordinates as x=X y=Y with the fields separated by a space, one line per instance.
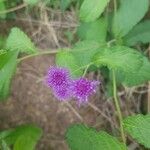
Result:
x=92 y=9
x=139 y=128
x=128 y=15
x=19 y=41
x=81 y=137
x=140 y=33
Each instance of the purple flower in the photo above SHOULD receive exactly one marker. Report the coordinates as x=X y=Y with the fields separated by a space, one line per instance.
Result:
x=62 y=93
x=83 y=88
x=64 y=87
x=57 y=77
x=59 y=80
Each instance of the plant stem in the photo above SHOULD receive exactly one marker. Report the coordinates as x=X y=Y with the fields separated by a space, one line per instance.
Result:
x=118 y=108
x=115 y=7
x=38 y=54
x=13 y=9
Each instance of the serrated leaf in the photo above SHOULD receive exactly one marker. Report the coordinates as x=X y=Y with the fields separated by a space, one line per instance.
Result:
x=119 y=58
x=140 y=33
x=80 y=137
x=66 y=59
x=95 y=31
x=8 y=62
x=85 y=50
x=140 y=76
x=20 y=137
x=139 y=128
x=128 y=15
x=19 y=41
x=91 y=9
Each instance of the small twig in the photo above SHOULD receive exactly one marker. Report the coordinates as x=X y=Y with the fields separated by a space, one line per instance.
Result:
x=104 y=115
x=74 y=111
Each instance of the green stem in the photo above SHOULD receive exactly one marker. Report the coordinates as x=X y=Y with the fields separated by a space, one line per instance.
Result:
x=38 y=54
x=118 y=108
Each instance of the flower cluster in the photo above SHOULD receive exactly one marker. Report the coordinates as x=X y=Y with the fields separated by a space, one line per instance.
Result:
x=59 y=80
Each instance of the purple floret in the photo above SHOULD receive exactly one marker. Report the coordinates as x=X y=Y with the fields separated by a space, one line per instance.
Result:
x=57 y=77
x=62 y=93
x=59 y=80
x=83 y=88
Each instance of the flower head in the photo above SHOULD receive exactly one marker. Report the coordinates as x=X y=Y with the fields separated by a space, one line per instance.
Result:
x=64 y=87
x=57 y=77
x=62 y=93
x=59 y=80
x=83 y=88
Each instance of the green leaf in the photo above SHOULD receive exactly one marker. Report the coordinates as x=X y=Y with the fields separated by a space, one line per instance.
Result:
x=31 y=2
x=140 y=33
x=8 y=62
x=119 y=58
x=128 y=15
x=19 y=41
x=64 y=4
x=85 y=50
x=2 y=8
x=2 y=41
x=139 y=128
x=66 y=59
x=140 y=76
x=24 y=137
x=4 y=145
x=91 y=9
x=80 y=137
x=95 y=31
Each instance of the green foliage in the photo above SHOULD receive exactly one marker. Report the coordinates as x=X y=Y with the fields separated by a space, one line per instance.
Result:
x=2 y=41
x=8 y=62
x=128 y=15
x=96 y=30
x=140 y=76
x=85 y=50
x=117 y=57
x=140 y=33
x=19 y=41
x=91 y=9
x=31 y=2
x=139 y=128
x=23 y=137
x=64 y=4
x=81 y=137
x=2 y=8
x=132 y=68
x=3 y=145
x=66 y=59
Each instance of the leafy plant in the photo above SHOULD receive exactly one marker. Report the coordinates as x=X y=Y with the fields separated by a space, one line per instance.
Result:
x=103 y=43
x=23 y=137
x=81 y=137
